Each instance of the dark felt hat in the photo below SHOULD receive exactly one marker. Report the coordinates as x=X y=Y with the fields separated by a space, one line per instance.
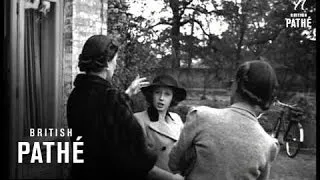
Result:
x=166 y=81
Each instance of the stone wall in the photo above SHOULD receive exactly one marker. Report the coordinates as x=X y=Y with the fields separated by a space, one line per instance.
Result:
x=198 y=77
x=217 y=95
x=82 y=19
x=211 y=78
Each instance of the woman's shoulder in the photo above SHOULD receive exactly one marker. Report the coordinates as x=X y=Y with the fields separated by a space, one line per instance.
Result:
x=118 y=97
x=203 y=112
x=174 y=115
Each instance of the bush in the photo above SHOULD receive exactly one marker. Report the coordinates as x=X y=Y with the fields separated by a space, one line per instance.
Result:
x=182 y=110
x=269 y=119
x=308 y=104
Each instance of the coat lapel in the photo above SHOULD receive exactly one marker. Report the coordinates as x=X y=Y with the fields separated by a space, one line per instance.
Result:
x=161 y=128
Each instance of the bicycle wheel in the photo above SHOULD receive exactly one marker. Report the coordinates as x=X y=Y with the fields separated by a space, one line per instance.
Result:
x=293 y=139
x=276 y=129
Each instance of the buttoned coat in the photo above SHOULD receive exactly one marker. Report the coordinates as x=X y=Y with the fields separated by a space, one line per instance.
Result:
x=161 y=135
x=225 y=143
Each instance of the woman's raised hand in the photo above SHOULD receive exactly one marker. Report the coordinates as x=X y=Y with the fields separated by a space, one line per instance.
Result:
x=136 y=85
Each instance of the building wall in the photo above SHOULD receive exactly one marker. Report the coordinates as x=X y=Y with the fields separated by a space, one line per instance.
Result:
x=82 y=19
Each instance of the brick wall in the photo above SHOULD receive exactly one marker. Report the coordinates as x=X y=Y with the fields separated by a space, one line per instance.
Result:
x=199 y=77
x=82 y=19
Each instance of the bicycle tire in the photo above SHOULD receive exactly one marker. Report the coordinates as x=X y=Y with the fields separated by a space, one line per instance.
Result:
x=276 y=129
x=293 y=139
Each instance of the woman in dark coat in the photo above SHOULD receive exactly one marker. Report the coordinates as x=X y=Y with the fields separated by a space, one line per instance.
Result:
x=114 y=145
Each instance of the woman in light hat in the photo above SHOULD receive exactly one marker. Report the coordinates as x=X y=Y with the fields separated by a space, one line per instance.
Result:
x=161 y=127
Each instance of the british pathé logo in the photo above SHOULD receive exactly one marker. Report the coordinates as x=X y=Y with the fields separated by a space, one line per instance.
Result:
x=299 y=2
x=299 y=19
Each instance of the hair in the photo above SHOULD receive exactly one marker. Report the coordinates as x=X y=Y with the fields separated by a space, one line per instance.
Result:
x=257 y=83
x=97 y=51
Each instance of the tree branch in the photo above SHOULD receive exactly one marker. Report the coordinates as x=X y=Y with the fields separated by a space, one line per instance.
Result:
x=205 y=11
x=184 y=6
x=201 y=26
x=185 y=22
x=196 y=21
x=265 y=39
x=160 y=23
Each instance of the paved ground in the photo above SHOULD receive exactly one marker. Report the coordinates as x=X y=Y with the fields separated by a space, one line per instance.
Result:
x=301 y=167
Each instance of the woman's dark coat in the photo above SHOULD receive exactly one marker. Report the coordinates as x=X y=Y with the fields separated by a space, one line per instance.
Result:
x=114 y=145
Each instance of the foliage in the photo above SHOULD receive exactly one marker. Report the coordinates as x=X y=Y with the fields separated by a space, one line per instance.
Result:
x=295 y=54
x=255 y=30
x=135 y=59
x=182 y=111
x=307 y=103
x=136 y=56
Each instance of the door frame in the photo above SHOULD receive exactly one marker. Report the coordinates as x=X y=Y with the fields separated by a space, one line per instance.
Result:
x=16 y=78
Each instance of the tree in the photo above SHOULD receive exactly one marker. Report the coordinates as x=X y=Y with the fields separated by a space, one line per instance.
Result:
x=183 y=13
x=136 y=56
x=256 y=30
